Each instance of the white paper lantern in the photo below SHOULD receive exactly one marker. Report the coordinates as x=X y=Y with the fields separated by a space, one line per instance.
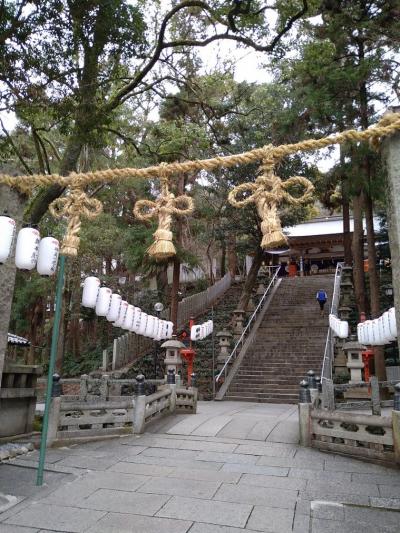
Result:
x=169 y=329
x=149 y=326
x=49 y=249
x=143 y=323
x=122 y=313
x=91 y=287
x=161 y=330
x=136 y=320
x=27 y=248
x=195 y=333
x=115 y=307
x=381 y=332
x=7 y=235
x=343 y=329
x=367 y=325
x=127 y=324
x=392 y=322
x=360 y=331
x=103 y=301
x=154 y=333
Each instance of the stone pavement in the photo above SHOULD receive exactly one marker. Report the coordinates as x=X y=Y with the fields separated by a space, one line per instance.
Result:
x=233 y=467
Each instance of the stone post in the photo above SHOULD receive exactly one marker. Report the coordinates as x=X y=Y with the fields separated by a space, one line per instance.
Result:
x=305 y=414
x=375 y=397
x=238 y=319
x=104 y=386
x=396 y=423
x=54 y=414
x=391 y=152
x=83 y=387
x=195 y=392
x=312 y=385
x=139 y=410
x=172 y=385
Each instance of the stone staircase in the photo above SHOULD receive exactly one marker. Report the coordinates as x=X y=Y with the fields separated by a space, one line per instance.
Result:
x=289 y=342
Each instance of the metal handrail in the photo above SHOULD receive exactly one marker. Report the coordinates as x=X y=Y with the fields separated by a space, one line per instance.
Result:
x=326 y=372
x=246 y=330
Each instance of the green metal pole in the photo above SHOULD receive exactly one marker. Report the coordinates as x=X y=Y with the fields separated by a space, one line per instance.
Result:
x=52 y=362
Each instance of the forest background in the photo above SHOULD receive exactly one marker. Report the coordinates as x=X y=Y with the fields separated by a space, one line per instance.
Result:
x=107 y=83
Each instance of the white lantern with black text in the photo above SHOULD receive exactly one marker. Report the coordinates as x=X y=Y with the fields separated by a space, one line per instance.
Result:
x=103 y=301
x=49 y=249
x=115 y=307
x=143 y=324
x=122 y=313
x=392 y=322
x=136 y=320
x=169 y=329
x=129 y=317
x=91 y=287
x=148 y=332
x=27 y=248
x=7 y=235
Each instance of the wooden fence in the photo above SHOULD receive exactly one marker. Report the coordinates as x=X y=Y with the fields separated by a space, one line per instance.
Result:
x=129 y=347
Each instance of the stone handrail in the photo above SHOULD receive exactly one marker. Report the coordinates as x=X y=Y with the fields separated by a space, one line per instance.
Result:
x=360 y=435
x=85 y=416
x=326 y=372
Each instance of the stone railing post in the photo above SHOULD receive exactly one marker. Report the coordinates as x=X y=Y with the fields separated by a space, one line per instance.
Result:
x=139 y=410
x=54 y=414
x=83 y=387
x=396 y=423
x=195 y=391
x=172 y=385
x=304 y=414
x=312 y=385
x=104 y=386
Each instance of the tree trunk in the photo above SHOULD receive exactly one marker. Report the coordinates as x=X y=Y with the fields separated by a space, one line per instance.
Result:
x=358 y=255
x=251 y=279
x=12 y=202
x=173 y=316
x=231 y=253
x=348 y=256
x=223 y=261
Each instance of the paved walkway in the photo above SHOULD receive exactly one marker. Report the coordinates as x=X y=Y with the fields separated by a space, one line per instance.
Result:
x=234 y=467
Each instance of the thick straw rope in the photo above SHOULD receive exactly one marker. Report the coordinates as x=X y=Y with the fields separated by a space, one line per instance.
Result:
x=267 y=193
x=164 y=208
x=73 y=206
x=388 y=125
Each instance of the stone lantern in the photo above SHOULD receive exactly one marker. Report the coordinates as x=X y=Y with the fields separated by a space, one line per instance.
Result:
x=173 y=359
x=353 y=350
x=238 y=319
x=261 y=284
x=224 y=339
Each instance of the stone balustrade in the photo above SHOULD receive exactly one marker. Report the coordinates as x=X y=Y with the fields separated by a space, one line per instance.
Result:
x=370 y=436
x=98 y=412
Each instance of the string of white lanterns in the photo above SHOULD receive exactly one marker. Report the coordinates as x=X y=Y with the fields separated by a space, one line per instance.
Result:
x=339 y=327
x=199 y=332
x=379 y=331
x=30 y=250
x=121 y=313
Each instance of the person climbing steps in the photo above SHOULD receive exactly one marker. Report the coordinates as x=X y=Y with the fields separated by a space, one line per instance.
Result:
x=321 y=298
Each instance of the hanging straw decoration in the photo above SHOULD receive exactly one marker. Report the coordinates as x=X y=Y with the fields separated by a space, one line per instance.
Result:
x=164 y=208
x=267 y=193
x=73 y=206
